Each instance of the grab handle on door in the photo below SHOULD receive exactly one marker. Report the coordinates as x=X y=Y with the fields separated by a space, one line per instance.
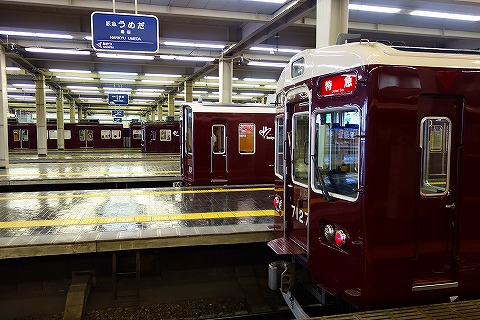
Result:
x=450 y=206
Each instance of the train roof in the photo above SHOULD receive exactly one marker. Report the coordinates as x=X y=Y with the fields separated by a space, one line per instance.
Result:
x=332 y=59
x=230 y=108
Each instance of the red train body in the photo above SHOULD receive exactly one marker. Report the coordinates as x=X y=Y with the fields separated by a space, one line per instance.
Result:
x=227 y=144
x=77 y=135
x=161 y=137
x=376 y=183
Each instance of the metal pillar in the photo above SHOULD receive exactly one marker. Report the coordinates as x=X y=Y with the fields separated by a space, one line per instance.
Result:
x=60 y=121
x=4 y=161
x=41 y=115
x=72 y=111
x=171 y=105
x=159 y=111
x=332 y=19
x=226 y=73
x=188 y=91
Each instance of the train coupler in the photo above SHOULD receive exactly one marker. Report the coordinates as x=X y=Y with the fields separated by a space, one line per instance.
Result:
x=283 y=273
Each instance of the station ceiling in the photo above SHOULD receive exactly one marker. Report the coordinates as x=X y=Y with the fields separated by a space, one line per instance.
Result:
x=246 y=31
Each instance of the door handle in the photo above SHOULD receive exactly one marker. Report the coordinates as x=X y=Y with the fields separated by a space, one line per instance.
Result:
x=450 y=206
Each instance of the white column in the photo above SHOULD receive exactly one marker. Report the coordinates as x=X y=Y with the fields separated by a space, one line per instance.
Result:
x=159 y=111
x=332 y=19
x=80 y=113
x=171 y=105
x=225 y=71
x=72 y=111
x=3 y=111
x=188 y=91
x=60 y=121
x=41 y=115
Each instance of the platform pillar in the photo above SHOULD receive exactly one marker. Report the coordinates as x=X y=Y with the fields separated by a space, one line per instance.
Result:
x=159 y=111
x=72 y=111
x=3 y=111
x=80 y=113
x=332 y=19
x=41 y=115
x=225 y=72
x=60 y=121
x=189 y=91
x=171 y=105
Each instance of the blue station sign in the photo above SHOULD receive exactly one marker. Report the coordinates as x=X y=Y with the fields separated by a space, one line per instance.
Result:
x=118 y=98
x=124 y=32
x=117 y=120
x=118 y=113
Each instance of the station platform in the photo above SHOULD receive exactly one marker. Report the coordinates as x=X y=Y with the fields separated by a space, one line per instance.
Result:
x=88 y=166
x=72 y=222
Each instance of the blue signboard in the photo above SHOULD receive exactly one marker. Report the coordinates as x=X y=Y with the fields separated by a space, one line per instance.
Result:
x=117 y=98
x=118 y=113
x=124 y=32
x=117 y=120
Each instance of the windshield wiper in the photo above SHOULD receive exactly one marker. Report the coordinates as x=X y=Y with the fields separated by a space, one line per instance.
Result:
x=319 y=177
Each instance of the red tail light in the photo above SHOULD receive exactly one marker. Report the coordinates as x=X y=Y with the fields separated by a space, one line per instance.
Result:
x=340 y=238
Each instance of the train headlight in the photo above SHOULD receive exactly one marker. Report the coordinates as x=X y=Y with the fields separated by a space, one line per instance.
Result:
x=329 y=232
x=277 y=203
x=340 y=238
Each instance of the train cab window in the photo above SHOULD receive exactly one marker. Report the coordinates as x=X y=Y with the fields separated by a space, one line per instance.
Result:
x=279 y=139
x=137 y=134
x=16 y=135
x=188 y=118
x=336 y=152
x=218 y=139
x=106 y=134
x=300 y=152
x=298 y=67
x=246 y=138
x=435 y=144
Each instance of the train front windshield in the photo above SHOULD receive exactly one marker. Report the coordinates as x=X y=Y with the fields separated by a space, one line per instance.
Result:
x=336 y=154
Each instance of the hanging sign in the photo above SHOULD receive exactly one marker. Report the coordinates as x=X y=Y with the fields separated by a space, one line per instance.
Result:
x=124 y=32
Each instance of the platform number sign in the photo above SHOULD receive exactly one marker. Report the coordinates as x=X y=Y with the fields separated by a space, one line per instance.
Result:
x=124 y=32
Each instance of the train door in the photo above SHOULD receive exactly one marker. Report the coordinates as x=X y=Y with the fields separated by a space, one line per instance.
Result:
x=21 y=139
x=152 y=140
x=439 y=131
x=86 y=136
x=218 y=162
x=297 y=192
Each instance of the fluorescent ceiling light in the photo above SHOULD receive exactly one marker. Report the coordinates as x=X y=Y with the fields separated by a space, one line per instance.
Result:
x=69 y=71
x=270 y=49
x=75 y=78
x=251 y=94
x=164 y=75
x=158 y=81
x=57 y=51
x=217 y=78
x=118 y=73
x=86 y=91
x=35 y=34
x=116 y=89
x=362 y=7
x=20 y=97
x=259 y=80
x=185 y=58
x=150 y=90
x=124 y=56
x=21 y=85
x=13 y=69
x=245 y=85
x=203 y=83
x=82 y=87
x=117 y=80
x=267 y=64
x=89 y=38
x=270 y=86
x=194 y=45
x=443 y=15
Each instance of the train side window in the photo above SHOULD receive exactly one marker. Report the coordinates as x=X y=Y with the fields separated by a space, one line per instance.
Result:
x=137 y=134
x=246 y=138
x=336 y=154
x=218 y=139
x=300 y=153
x=435 y=143
x=67 y=134
x=279 y=140
x=165 y=135
x=106 y=134
x=153 y=135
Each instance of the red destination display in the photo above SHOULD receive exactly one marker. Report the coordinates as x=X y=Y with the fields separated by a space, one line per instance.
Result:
x=344 y=83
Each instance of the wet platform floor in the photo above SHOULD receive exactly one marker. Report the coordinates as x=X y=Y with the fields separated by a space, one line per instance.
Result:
x=88 y=166
x=68 y=222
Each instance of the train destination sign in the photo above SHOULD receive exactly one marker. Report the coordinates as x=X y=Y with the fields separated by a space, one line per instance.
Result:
x=118 y=98
x=124 y=32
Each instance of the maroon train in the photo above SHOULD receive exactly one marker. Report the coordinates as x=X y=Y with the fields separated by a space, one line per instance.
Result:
x=161 y=137
x=376 y=184
x=227 y=144
x=77 y=135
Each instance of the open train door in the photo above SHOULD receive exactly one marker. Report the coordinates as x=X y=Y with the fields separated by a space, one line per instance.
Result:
x=218 y=152
x=439 y=138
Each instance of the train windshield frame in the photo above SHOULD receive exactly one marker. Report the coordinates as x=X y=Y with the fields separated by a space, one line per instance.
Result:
x=279 y=144
x=336 y=152
x=188 y=134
